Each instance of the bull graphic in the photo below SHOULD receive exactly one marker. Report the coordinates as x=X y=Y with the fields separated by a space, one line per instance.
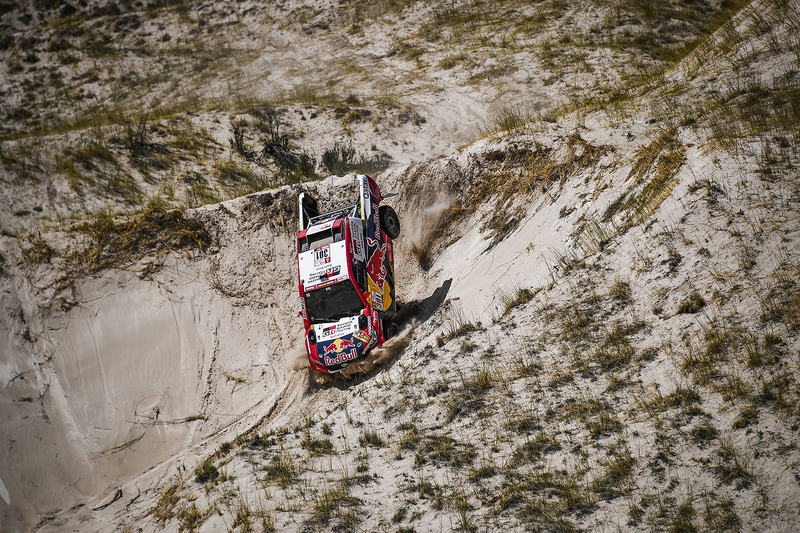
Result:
x=338 y=346
x=376 y=274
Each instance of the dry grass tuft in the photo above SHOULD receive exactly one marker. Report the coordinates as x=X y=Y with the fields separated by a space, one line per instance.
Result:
x=153 y=231
x=522 y=171
x=660 y=159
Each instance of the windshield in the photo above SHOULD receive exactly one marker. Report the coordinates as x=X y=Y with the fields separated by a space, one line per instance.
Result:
x=331 y=303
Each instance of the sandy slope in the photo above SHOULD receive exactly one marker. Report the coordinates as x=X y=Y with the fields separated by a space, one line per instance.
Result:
x=110 y=405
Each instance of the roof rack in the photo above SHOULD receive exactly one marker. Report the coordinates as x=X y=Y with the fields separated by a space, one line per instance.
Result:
x=336 y=212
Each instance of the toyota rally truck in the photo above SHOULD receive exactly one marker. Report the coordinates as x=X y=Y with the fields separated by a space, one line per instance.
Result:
x=345 y=267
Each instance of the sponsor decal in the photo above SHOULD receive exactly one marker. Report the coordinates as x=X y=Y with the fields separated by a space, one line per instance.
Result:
x=342 y=358
x=323 y=275
x=314 y=286
x=322 y=226
x=363 y=336
x=356 y=238
x=374 y=189
x=376 y=269
x=338 y=346
x=377 y=300
x=322 y=256
x=377 y=223
x=376 y=275
x=331 y=330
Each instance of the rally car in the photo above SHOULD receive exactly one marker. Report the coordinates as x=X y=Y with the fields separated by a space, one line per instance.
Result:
x=345 y=266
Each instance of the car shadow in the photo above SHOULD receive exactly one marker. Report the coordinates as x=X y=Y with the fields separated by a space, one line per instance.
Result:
x=410 y=314
x=424 y=309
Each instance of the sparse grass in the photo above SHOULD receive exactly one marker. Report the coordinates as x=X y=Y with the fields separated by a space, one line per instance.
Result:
x=782 y=302
x=720 y=514
x=732 y=387
x=616 y=475
x=191 y=518
x=759 y=110
x=662 y=158
x=683 y=520
x=343 y=157
x=470 y=398
x=684 y=398
x=546 y=498
x=281 y=469
x=206 y=472
x=337 y=509
x=508 y=119
x=169 y=498
x=239 y=180
x=616 y=349
x=77 y=162
x=596 y=415
x=527 y=170
x=780 y=391
x=38 y=250
x=238 y=143
x=316 y=446
x=703 y=361
x=621 y=292
x=732 y=467
x=371 y=438
x=458 y=325
x=242 y=517
x=517 y=297
x=198 y=190
x=577 y=323
x=410 y=438
x=155 y=230
x=693 y=303
x=704 y=433
x=484 y=471
x=444 y=450
x=454 y=60
x=534 y=449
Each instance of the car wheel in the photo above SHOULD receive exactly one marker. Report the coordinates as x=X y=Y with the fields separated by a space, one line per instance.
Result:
x=390 y=330
x=390 y=222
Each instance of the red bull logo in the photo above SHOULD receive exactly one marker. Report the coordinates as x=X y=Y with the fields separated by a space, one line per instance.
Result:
x=376 y=268
x=342 y=357
x=338 y=346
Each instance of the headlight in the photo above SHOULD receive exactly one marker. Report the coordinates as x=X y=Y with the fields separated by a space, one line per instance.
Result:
x=362 y=322
x=312 y=336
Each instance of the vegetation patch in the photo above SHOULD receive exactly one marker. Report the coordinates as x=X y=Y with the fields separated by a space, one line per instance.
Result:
x=443 y=450
x=782 y=302
x=281 y=470
x=336 y=509
x=693 y=303
x=154 y=231
x=206 y=472
x=524 y=170
x=317 y=446
x=659 y=160
x=596 y=415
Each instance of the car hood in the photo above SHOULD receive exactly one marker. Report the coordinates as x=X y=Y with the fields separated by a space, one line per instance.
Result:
x=339 y=343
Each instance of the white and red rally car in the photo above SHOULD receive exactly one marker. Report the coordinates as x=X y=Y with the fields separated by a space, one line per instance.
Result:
x=345 y=269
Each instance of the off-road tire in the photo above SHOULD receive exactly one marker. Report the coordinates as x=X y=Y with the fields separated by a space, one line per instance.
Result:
x=390 y=222
x=390 y=329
